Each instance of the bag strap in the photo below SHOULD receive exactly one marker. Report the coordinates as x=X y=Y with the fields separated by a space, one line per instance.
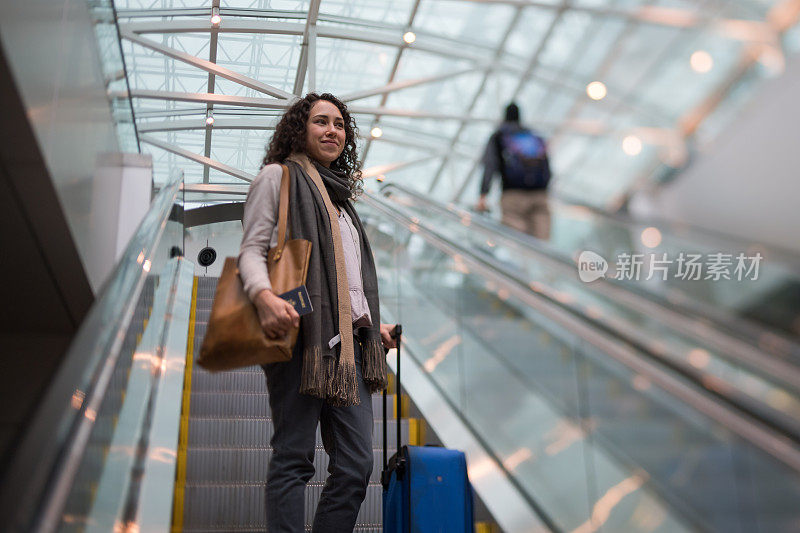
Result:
x=283 y=212
x=396 y=334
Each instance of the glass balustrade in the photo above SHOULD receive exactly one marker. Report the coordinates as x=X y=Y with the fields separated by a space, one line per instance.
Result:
x=596 y=439
x=762 y=380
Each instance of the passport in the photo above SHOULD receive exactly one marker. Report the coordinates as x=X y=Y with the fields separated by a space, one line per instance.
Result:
x=299 y=299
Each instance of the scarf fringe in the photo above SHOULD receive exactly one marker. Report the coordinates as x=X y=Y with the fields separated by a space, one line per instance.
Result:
x=312 y=381
x=342 y=390
x=374 y=365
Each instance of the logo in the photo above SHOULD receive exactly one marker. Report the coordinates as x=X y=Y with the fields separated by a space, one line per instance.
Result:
x=591 y=266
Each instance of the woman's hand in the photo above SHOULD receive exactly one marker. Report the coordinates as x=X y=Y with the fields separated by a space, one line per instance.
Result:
x=386 y=336
x=276 y=315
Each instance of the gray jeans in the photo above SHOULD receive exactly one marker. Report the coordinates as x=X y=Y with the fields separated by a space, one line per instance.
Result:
x=347 y=438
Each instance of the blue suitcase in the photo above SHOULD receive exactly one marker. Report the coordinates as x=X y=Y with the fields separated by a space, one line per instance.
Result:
x=425 y=488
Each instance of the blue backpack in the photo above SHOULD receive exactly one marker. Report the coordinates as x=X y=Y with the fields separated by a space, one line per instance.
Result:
x=524 y=157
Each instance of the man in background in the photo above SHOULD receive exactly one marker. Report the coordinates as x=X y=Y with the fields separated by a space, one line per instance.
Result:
x=520 y=156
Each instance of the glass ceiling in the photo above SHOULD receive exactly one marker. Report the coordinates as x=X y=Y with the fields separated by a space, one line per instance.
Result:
x=675 y=72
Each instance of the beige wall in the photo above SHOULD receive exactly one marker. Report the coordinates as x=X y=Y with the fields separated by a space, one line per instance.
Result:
x=748 y=183
x=51 y=48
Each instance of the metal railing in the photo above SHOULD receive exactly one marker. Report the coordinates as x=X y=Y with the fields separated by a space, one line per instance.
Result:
x=77 y=414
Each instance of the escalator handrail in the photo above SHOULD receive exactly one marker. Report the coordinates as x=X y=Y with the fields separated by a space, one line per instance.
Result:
x=700 y=235
x=724 y=341
x=51 y=451
x=763 y=433
x=730 y=321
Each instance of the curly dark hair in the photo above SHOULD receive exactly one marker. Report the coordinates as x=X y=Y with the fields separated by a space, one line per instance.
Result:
x=290 y=137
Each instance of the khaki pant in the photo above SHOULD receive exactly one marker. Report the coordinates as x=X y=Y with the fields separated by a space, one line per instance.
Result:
x=526 y=211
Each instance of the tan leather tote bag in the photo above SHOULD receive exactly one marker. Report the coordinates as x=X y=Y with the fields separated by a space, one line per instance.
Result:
x=234 y=337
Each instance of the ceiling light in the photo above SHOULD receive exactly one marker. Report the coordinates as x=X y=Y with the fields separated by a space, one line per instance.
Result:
x=376 y=132
x=651 y=237
x=596 y=90
x=632 y=145
x=699 y=358
x=215 y=18
x=210 y=118
x=409 y=37
x=701 y=61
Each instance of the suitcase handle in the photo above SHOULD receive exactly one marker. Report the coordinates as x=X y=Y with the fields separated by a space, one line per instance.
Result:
x=396 y=334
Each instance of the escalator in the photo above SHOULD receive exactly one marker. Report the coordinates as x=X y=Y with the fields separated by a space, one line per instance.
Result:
x=227 y=448
x=747 y=361
x=597 y=431
x=568 y=423
x=729 y=304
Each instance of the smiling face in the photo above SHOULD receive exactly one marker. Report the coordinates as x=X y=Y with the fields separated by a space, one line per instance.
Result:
x=325 y=134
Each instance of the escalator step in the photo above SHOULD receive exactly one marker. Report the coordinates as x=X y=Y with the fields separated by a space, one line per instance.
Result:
x=250 y=404
x=257 y=432
x=243 y=529
x=232 y=381
x=249 y=466
x=228 y=446
x=201 y=316
x=230 y=507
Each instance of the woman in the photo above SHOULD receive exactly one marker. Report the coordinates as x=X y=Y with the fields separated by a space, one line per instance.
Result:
x=338 y=361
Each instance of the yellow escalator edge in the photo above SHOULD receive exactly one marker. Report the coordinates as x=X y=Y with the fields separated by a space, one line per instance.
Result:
x=416 y=432
x=405 y=401
x=183 y=439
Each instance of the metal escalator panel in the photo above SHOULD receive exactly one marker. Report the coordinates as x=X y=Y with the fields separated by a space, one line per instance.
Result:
x=762 y=379
x=593 y=433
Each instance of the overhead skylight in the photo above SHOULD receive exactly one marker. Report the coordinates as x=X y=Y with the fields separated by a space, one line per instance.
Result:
x=437 y=99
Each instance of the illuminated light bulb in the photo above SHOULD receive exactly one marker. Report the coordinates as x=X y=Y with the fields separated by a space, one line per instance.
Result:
x=640 y=383
x=77 y=399
x=409 y=37
x=632 y=145
x=701 y=61
x=210 y=118
x=376 y=132
x=596 y=90
x=699 y=358
x=215 y=17
x=651 y=237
